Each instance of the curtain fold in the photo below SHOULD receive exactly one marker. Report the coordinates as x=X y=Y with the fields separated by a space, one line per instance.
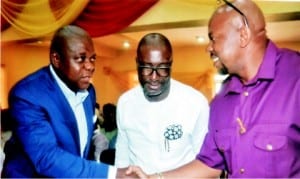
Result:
x=103 y=17
x=10 y=9
x=36 y=18
x=40 y=17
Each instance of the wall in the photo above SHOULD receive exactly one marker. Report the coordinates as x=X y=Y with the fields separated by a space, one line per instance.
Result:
x=115 y=71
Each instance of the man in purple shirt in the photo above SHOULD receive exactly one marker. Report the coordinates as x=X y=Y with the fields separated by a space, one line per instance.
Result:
x=254 y=128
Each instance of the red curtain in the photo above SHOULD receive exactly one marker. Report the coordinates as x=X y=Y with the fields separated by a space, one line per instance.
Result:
x=99 y=18
x=102 y=17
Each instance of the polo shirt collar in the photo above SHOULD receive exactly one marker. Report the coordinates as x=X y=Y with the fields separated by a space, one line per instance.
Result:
x=266 y=71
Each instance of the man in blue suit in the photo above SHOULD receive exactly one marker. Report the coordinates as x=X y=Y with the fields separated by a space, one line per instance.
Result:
x=52 y=111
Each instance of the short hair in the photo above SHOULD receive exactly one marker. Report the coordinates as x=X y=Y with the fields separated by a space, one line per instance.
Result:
x=154 y=39
x=58 y=42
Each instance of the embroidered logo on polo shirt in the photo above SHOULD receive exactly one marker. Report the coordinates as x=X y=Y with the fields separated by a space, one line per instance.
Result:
x=172 y=132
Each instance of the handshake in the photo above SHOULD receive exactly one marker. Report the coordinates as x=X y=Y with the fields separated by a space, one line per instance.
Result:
x=136 y=172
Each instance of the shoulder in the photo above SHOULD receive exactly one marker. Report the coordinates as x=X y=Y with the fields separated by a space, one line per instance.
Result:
x=186 y=91
x=288 y=64
x=32 y=82
x=91 y=90
x=132 y=94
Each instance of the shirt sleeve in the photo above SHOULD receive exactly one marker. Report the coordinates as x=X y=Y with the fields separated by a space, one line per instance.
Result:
x=122 y=151
x=210 y=155
x=201 y=126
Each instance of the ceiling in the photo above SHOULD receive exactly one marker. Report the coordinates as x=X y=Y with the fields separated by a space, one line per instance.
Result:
x=182 y=21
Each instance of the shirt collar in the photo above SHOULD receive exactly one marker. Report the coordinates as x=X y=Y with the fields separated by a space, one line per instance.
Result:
x=266 y=71
x=73 y=98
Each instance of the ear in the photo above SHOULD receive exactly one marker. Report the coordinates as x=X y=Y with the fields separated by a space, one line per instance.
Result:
x=245 y=36
x=55 y=59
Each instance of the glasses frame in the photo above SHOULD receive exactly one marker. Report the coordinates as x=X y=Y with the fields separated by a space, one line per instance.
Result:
x=237 y=10
x=168 y=67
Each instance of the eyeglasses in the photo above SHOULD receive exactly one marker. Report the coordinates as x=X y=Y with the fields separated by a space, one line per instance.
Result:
x=237 y=10
x=162 y=71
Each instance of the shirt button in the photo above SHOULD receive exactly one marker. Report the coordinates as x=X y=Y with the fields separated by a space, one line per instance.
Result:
x=269 y=147
x=242 y=170
x=246 y=93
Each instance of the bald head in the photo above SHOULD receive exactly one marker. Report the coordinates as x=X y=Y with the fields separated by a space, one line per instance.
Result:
x=154 y=40
x=240 y=26
x=253 y=14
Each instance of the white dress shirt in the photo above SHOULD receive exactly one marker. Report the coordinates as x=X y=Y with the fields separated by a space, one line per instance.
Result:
x=76 y=102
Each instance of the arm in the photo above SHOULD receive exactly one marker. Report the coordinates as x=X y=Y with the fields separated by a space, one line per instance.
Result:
x=194 y=169
x=46 y=134
x=201 y=126
x=122 y=150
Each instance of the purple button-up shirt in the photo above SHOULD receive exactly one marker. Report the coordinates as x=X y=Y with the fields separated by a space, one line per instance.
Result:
x=254 y=128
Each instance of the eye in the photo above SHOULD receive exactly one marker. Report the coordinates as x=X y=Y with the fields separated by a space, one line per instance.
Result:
x=82 y=57
x=211 y=38
x=93 y=58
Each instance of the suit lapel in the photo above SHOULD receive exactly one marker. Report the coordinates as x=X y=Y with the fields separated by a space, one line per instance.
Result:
x=64 y=109
x=89 y=113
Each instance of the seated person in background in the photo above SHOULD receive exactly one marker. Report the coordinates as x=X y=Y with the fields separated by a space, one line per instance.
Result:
x=52 y=112
x=109 y=129
x=6 y=128
x=161 y=122
x=109 y=125
x=99 y=116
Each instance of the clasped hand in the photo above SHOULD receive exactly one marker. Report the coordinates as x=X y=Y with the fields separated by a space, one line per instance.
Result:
x=132 y=172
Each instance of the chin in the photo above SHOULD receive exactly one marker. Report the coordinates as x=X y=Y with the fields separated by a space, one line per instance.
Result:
x=153 y=94
x=84 y=87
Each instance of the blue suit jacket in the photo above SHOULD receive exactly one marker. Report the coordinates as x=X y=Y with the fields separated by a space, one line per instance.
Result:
x=45 y=139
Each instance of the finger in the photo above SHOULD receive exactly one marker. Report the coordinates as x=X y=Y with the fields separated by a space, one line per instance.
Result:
x=135 y=170
x=129 y=170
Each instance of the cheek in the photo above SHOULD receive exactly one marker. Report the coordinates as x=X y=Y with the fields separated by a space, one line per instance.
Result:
x=75 y=69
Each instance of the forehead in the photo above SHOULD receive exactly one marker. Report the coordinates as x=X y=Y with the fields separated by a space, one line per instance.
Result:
x=79 y=43
x=219 y=22
x=154 y=54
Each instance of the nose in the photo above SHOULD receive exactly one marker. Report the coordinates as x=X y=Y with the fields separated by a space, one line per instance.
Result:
x=209 y=47
x=89 y=65
x=154 y=75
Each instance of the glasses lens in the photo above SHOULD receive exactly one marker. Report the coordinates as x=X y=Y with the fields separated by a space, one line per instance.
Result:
x=148 y=70
x=163 y=71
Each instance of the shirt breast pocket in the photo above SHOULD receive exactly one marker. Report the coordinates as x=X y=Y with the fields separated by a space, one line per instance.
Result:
x=272 y=150
x=270 y=143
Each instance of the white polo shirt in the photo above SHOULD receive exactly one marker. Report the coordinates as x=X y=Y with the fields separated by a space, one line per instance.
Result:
x=159 y=136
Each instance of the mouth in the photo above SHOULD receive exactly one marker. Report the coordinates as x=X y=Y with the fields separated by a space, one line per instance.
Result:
x=86 y=78
x=214 y=58
x=153 y=86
